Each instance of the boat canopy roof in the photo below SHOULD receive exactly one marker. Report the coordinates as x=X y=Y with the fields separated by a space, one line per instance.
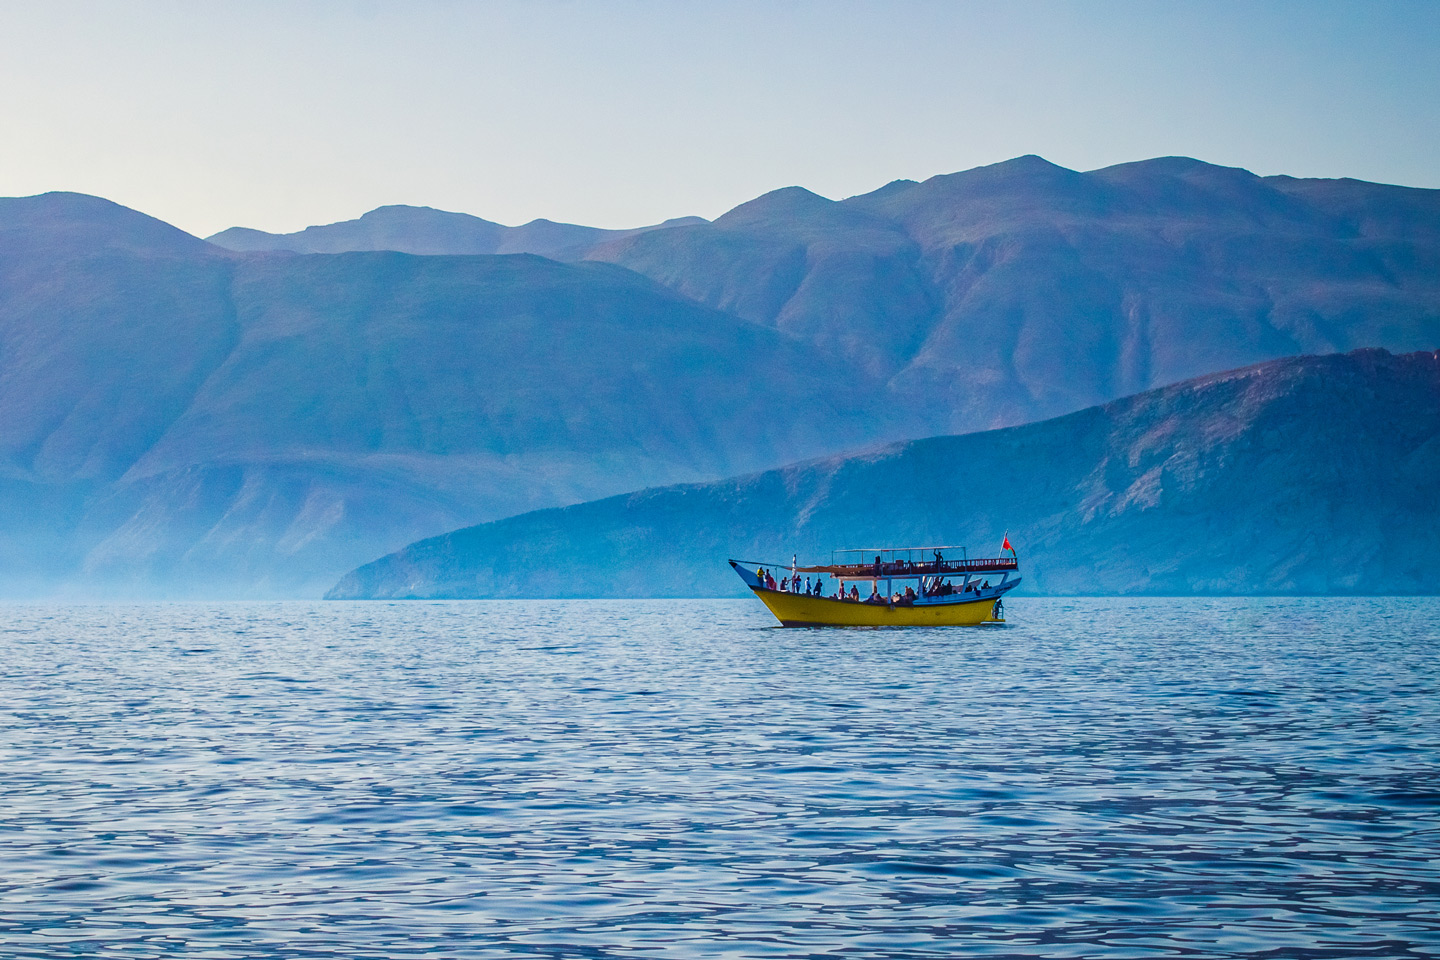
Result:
x=899 y=563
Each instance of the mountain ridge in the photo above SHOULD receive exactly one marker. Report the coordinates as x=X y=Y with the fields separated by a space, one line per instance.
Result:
x=1229 y=483
x=427 y=231
x=984 y=287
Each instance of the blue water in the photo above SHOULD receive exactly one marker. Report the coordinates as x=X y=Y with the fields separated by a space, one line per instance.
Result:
x=1099 y=778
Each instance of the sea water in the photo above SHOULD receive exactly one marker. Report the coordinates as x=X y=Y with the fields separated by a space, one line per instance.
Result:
x=1096 y=778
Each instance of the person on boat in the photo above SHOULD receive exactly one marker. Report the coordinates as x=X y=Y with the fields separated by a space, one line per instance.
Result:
x=939 y=559
x=909 y=594
x=854 y=593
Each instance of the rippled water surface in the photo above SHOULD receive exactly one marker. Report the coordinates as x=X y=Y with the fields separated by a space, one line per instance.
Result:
x=1099 y=778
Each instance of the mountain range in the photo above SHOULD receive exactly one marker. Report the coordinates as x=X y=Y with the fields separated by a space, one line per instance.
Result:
x=1305 y=475
x=1023 y=290
x=178 y=418
x=177 y=415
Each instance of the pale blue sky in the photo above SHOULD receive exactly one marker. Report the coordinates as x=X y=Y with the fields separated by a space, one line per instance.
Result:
x=281 y=114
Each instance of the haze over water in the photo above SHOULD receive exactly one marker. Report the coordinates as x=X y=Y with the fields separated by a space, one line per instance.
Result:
x=1098 y=778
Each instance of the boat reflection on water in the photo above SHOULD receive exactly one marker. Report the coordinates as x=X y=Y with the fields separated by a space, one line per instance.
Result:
x=887 y=586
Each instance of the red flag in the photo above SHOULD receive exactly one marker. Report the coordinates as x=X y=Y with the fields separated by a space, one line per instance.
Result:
x=1006 y=544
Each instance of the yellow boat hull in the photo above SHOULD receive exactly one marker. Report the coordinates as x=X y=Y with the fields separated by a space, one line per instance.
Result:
x=800 y=610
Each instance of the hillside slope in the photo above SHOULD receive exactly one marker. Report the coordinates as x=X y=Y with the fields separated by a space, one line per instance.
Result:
x=1303 y=475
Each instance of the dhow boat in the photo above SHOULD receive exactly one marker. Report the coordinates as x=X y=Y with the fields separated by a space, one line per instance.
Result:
x=887 y=587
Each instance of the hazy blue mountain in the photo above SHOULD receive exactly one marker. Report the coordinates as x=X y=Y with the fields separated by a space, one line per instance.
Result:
x=176 y=417
x=425 y=230
x=1024 y=290
x=1303 y=475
